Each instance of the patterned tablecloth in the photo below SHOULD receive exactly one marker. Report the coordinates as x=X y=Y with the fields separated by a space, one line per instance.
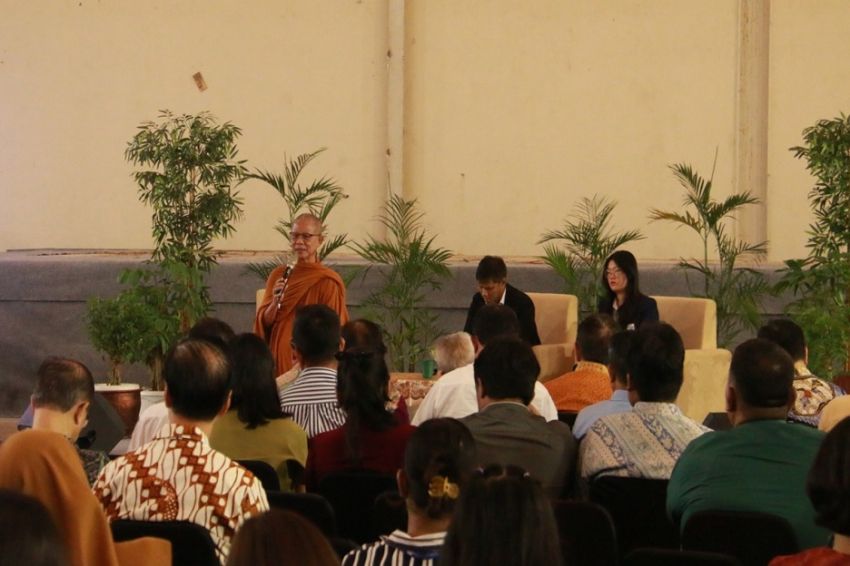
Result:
x=412 y=386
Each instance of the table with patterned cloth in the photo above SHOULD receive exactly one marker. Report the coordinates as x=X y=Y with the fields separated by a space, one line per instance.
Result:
x=412 y=386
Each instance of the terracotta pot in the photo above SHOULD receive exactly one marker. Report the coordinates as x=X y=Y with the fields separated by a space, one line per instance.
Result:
x=126 y=399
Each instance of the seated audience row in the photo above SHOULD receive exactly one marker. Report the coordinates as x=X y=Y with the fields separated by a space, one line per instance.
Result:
x=453 y=395
x=645 y=442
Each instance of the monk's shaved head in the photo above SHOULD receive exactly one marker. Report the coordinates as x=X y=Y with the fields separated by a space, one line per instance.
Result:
x=309 y=218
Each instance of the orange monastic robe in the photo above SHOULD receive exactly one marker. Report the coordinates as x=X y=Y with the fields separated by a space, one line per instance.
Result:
x=309 y=284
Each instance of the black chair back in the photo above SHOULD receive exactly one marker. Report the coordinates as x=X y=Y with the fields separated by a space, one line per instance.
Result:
x=568 y=417
x=263 y=472
x=638 y=508
x=389 y=512
x=586 y=532
x=311 y=506
x=191 y=544
x=668 y=557
x=352 y=494
x=296 y=474
x=753 y=538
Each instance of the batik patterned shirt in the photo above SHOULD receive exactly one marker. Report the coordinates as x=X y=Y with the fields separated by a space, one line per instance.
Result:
x=812 y=395
x=178 y=477
x=643 y=443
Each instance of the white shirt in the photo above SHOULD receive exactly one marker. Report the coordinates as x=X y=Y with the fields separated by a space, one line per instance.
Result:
x=453 y=395
x=151 y=421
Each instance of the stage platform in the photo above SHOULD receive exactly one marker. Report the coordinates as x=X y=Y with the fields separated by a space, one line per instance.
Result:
x=43 y=296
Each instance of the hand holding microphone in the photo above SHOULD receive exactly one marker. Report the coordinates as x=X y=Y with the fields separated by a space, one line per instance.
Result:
x=280 y=285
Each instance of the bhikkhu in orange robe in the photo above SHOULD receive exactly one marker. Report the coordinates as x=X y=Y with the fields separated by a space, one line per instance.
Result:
x=309 y=284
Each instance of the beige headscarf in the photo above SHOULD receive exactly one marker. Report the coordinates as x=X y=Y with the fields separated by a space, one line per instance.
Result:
x=45 y=466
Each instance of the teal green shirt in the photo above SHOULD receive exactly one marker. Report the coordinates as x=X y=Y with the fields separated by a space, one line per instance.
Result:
x=757 y=466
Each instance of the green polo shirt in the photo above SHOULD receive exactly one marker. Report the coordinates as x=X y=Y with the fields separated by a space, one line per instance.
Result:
x=756 y=466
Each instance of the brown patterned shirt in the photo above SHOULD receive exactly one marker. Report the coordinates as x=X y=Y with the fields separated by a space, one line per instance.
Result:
x=178 y=477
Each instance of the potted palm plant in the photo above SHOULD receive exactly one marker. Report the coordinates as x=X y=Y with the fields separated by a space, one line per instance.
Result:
x=736 y=289
x=410 y=266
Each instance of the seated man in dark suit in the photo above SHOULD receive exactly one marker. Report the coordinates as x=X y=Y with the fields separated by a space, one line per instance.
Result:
x=494 y=289
x=505 y=430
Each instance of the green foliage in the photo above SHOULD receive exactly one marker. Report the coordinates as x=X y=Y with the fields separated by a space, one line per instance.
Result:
x=126 y=328
x=318 y=198
x=586 y=240
x=737 y=290
x=821 y=282
x=410 y=266
x=190 y=170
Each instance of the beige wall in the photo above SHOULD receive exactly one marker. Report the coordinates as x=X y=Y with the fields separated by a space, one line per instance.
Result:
x=512 y=110
x=809 y=43
x=77 y=77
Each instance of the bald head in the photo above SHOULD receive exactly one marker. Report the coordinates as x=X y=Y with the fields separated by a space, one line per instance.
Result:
x=197 y=374
x=308 y=218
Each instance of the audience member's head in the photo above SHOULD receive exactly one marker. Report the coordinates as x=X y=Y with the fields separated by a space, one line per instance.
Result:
x=212 y=330
x=656 y=361
x=594 y=335
x=828 y=485
x=787 y=335
x=438 y=461
x=761 y=380
x=452 y=351
x=62 y=396
x=44 y=465
x=491 y=275
x=362 y=390
x=493 y=321
x=254 y=390
x=315 y=335
x=197 y=379
x=28 y=534
x=506 y=369
x=362 y=333
x=503 y=517
x=277 y=538
x=618 y=358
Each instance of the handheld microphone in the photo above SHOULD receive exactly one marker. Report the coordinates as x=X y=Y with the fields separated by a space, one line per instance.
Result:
x=287 y=272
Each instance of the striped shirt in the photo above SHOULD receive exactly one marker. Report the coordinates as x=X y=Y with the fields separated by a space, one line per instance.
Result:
x=311 y=400
x=398 y=549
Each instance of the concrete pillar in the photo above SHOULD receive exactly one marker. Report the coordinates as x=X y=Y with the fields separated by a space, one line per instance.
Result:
x=751 y=118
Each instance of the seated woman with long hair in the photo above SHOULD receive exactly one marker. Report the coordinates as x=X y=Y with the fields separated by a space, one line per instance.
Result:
x=255 y=428
x=623 y=300
x=503 y=517
x=373 y=437
x=438 y=462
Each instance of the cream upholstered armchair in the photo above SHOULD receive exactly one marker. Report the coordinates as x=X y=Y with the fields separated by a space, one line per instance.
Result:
x=556 y=316
x=706 y=365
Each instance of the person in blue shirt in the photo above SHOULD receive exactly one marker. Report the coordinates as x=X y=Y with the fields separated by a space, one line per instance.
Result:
x=618 y=351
